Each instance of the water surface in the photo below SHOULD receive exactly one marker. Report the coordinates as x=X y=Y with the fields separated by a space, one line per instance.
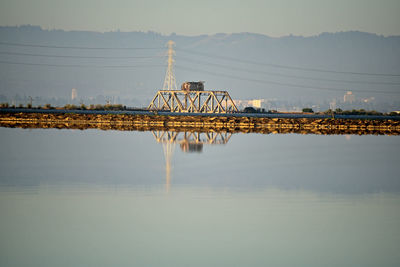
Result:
x=109 y=198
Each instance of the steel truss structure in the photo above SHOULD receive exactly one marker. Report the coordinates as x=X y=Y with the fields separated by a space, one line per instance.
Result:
x=193 y=101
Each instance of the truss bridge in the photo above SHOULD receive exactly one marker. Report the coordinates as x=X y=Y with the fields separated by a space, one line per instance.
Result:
x=193 y=101
x=192 y=98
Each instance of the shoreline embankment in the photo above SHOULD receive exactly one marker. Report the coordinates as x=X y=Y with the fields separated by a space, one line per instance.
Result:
x=245 y=123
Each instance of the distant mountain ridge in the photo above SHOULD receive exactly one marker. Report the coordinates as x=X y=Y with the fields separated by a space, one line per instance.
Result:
x=248 y=65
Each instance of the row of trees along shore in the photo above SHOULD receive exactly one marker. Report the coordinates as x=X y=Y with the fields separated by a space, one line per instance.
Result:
x=117 y=107
x=69 y=107
x=337 y=111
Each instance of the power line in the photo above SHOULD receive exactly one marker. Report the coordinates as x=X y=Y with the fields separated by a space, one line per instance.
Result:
x=284 y=75
x=67 y=56
x=206 y=55
x=283 y=84
x=78 y=65
x=202 y=71
x=205 y=63
x=288 y=67
x=80 y=47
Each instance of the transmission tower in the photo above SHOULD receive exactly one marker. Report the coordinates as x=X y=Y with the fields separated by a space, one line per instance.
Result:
x=170 y=81
x=192 y=100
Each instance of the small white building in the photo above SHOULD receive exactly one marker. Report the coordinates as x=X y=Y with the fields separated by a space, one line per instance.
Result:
x=349 y=97
x=74 y=94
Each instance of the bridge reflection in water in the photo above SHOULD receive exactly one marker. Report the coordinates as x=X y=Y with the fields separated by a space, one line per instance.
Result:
x=189 y=142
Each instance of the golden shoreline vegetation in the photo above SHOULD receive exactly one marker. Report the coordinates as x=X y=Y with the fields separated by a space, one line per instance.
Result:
x=127 y=122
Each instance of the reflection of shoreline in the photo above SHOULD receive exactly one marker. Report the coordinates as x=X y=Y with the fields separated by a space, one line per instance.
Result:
x=201 y=124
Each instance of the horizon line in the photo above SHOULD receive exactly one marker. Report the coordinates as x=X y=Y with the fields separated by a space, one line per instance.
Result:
x=173 y=34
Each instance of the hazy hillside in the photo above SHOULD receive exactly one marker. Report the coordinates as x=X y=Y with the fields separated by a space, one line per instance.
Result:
x=224 y=61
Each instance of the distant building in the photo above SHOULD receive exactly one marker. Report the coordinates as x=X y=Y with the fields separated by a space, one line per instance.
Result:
x=368 y=100
x=256 y=103
x=349 y=97
x=74 y=94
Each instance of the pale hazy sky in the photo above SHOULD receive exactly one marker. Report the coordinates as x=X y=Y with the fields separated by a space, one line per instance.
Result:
x=270 y=17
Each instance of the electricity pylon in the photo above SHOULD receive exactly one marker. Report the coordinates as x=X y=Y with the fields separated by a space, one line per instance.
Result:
x=170 y=81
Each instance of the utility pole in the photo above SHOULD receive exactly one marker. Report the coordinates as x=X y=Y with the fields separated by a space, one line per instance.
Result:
x=170 y=81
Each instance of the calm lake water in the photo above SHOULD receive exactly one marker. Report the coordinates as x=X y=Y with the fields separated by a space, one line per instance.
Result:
x=109 y=198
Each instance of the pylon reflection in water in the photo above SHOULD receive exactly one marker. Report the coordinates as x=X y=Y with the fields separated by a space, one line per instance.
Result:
x=189 y=142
